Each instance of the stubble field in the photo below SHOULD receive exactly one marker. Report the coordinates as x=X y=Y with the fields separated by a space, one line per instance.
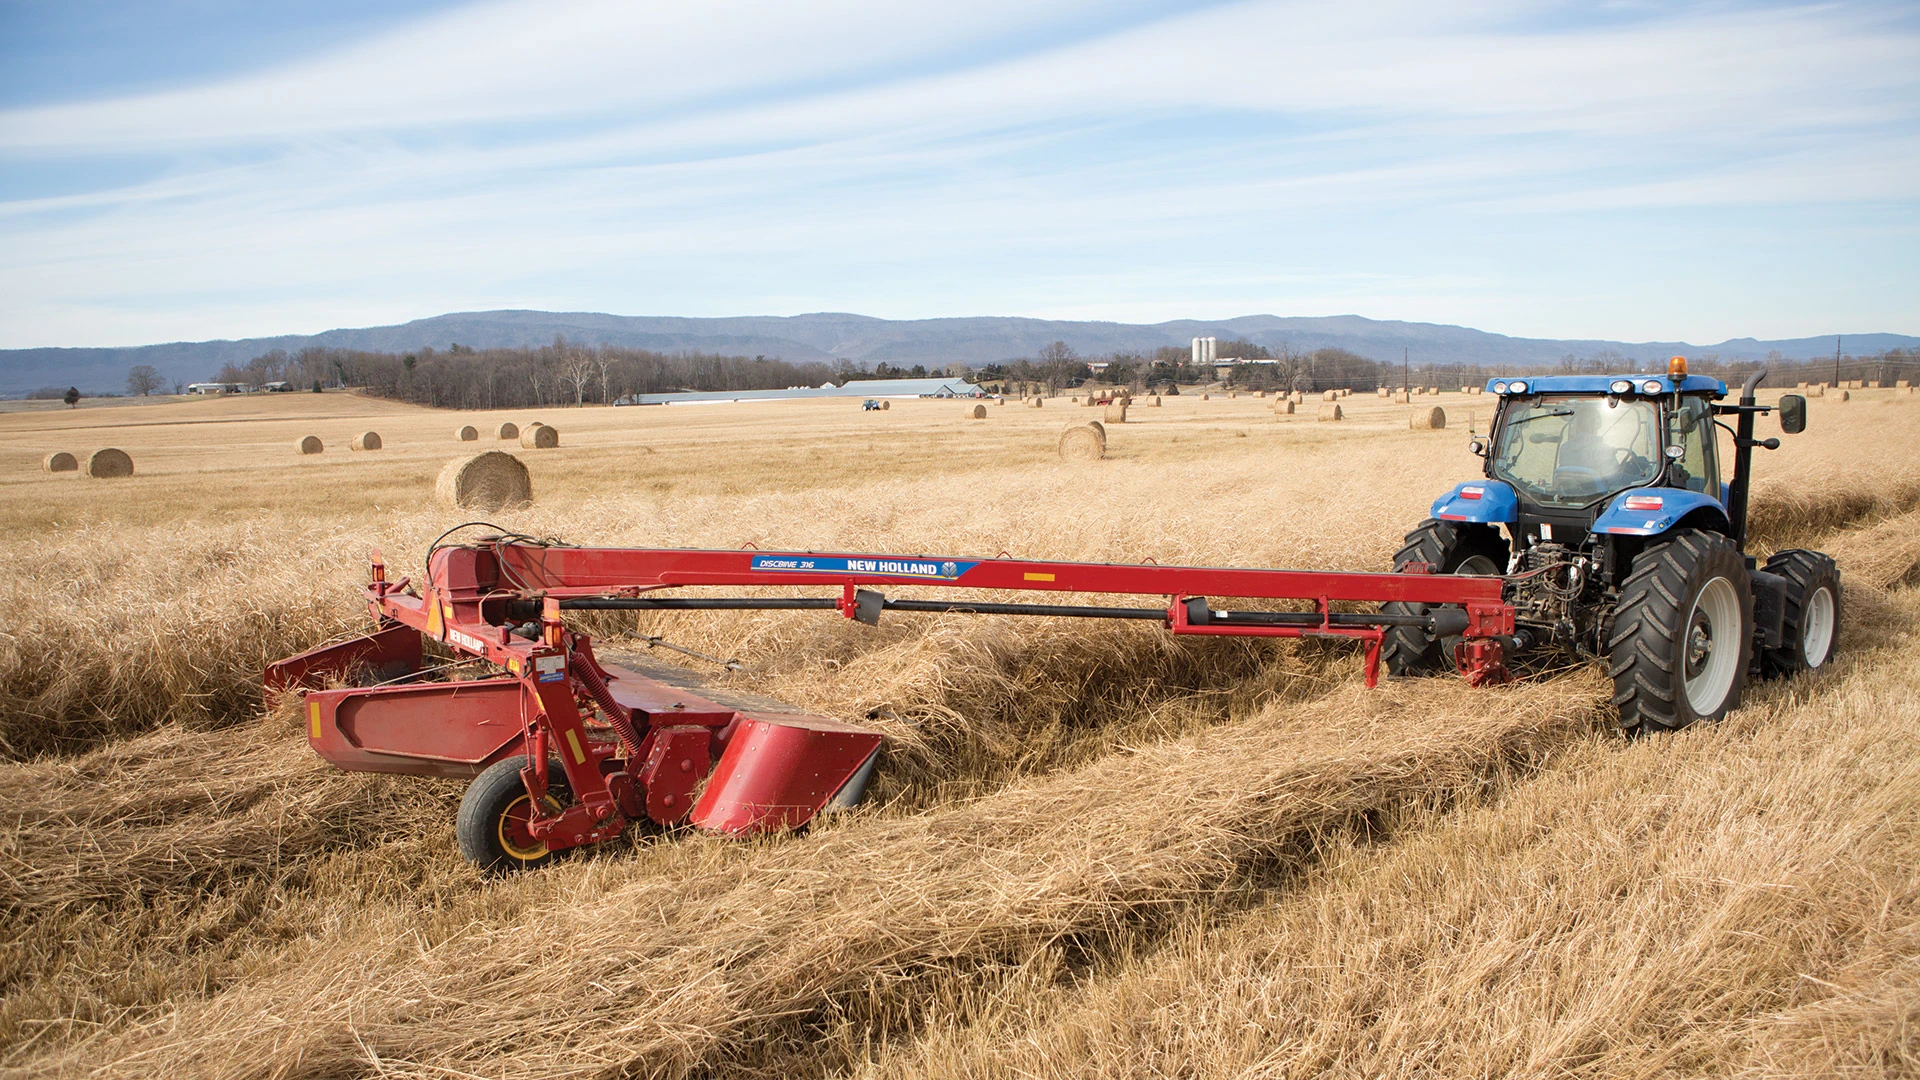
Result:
x=1094 y=850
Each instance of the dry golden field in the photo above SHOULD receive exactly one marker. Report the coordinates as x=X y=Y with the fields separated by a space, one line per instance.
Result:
x=1094 y=851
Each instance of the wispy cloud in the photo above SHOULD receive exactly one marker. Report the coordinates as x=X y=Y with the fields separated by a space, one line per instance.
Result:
x=1404 y=160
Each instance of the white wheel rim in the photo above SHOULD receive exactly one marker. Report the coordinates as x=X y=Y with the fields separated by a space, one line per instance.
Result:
x=1816 y=627
x=1710 y=646
x=1477 y=565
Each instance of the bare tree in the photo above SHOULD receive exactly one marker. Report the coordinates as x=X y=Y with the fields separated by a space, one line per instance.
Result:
x=603 y=363
x=143 y=380
x=577 y=369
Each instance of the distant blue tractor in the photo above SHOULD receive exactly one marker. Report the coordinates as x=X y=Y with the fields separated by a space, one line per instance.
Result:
x=1621 y=541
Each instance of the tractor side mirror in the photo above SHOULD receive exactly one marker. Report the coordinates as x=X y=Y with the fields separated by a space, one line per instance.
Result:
x=1478 y=446
x=1793 y=413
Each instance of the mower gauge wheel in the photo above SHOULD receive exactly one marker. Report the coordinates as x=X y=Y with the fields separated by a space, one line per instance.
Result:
x=492 y=826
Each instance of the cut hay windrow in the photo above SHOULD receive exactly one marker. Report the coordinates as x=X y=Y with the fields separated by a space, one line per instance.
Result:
x=705 y=971
x=1785 y=514
x=1743 y=877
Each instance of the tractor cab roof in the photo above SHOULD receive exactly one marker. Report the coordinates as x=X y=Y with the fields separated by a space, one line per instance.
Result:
x=1643 y=384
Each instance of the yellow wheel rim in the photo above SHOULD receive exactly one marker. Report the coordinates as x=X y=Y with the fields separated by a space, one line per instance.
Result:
x=511 y=828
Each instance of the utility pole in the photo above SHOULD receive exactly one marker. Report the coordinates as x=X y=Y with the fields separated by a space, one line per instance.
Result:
x=1406 y=372
x=1836 y=361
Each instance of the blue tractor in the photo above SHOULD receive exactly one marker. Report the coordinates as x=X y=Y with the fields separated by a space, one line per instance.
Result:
x=1606 y=509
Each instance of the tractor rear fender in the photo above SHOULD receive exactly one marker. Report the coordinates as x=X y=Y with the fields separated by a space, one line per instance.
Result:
x=1654 y=511
x=1487 y=502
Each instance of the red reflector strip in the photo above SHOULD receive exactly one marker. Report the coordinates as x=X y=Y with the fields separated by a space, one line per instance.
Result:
x=1644 y=502
x=1472 y=493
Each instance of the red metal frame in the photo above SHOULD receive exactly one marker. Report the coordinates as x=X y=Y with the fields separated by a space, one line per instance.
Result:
x=635 y=747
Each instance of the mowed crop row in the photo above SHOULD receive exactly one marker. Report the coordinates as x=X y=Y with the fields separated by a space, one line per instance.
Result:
x=1063 y=806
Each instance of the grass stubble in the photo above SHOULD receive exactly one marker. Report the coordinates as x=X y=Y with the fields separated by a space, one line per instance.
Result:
x=1096 y=851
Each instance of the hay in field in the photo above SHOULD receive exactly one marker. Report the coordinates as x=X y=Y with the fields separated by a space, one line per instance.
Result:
x=1299 y=397
x=495 y=480
x=1884 y=556
x=885 y=405
x=1817 y=390
x=1116 y=413
x=308 y=445
x=539 y=437
x=109 y=463
x=367 y=440
x=1035 y=402
x=467 y=433
x=1382 y=392
x=508 y=431
x=1084 y=442
x=1283 y=407
x=1425 y=419
x=1846 y=395
x=1155 y=402
x=1330 y=395
x=60 y=461
x=978 y=412
x=1331 y=411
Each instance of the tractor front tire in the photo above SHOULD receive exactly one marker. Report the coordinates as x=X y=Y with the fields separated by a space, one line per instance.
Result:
x=492 y=825
x=1447 y=548
x=1810 y=630
x=1682 y=633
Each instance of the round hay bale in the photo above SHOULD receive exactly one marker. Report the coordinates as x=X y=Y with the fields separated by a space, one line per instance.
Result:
x=309 y=444
x=509 y=431
x=1283 y=407
x=1419 y=389
x=467 y=433
x=1117 y=413
x=1331 y=411
x=978 y=412
x=1428 y=419
x=109 y=463
x=1383 y=392
x=1331 y=395
x=367 y=440
x=1034 y=403
x=885 y=405
x=1299 y=397
x=1231 y=394
x=1206 y=397
x=539 y=437
x=1083 y=442
x=1817 y=390
x=495 y=480
x=60 y=461
x=1846 y=395
x=1156 y=401
x=999 y=401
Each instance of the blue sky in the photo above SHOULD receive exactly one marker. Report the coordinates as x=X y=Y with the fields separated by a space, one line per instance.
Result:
x=1637 y=171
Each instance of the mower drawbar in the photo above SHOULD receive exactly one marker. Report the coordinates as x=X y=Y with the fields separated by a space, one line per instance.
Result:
x=565 y=747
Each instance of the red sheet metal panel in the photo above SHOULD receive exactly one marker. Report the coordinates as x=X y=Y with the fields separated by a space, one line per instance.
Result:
x=777 y=774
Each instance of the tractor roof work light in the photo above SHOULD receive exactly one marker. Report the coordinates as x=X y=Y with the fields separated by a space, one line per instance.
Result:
x=1677 y=368
x=1651 y=386
x=1621 y=386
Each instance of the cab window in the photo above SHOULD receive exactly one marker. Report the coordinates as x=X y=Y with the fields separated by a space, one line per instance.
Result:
x=1690 y=427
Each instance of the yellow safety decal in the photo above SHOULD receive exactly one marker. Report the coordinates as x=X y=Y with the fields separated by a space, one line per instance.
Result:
x=573 y=743
x=313 y=718
x=435 y=627
x=1038 y=577
x=513 y=664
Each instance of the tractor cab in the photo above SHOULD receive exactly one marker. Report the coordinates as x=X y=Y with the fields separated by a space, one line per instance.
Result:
x=1580 y=453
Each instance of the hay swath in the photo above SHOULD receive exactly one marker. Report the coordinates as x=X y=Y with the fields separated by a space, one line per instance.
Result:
x=633 y=742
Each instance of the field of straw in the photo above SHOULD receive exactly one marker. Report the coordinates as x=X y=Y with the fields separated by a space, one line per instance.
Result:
x=1093 y=850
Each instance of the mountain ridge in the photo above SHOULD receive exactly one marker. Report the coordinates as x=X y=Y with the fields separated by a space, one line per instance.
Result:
x=867 y=340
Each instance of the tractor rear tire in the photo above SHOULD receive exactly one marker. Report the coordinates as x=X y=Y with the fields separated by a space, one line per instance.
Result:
x=1810 y=630
x=1682 y=633
x=493 y=816
x=1449 y=548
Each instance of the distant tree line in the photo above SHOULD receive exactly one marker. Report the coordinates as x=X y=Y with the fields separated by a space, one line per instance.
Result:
x=567 y=373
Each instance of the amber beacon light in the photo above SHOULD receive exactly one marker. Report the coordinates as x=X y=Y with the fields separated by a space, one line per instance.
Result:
x=1677 y=367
